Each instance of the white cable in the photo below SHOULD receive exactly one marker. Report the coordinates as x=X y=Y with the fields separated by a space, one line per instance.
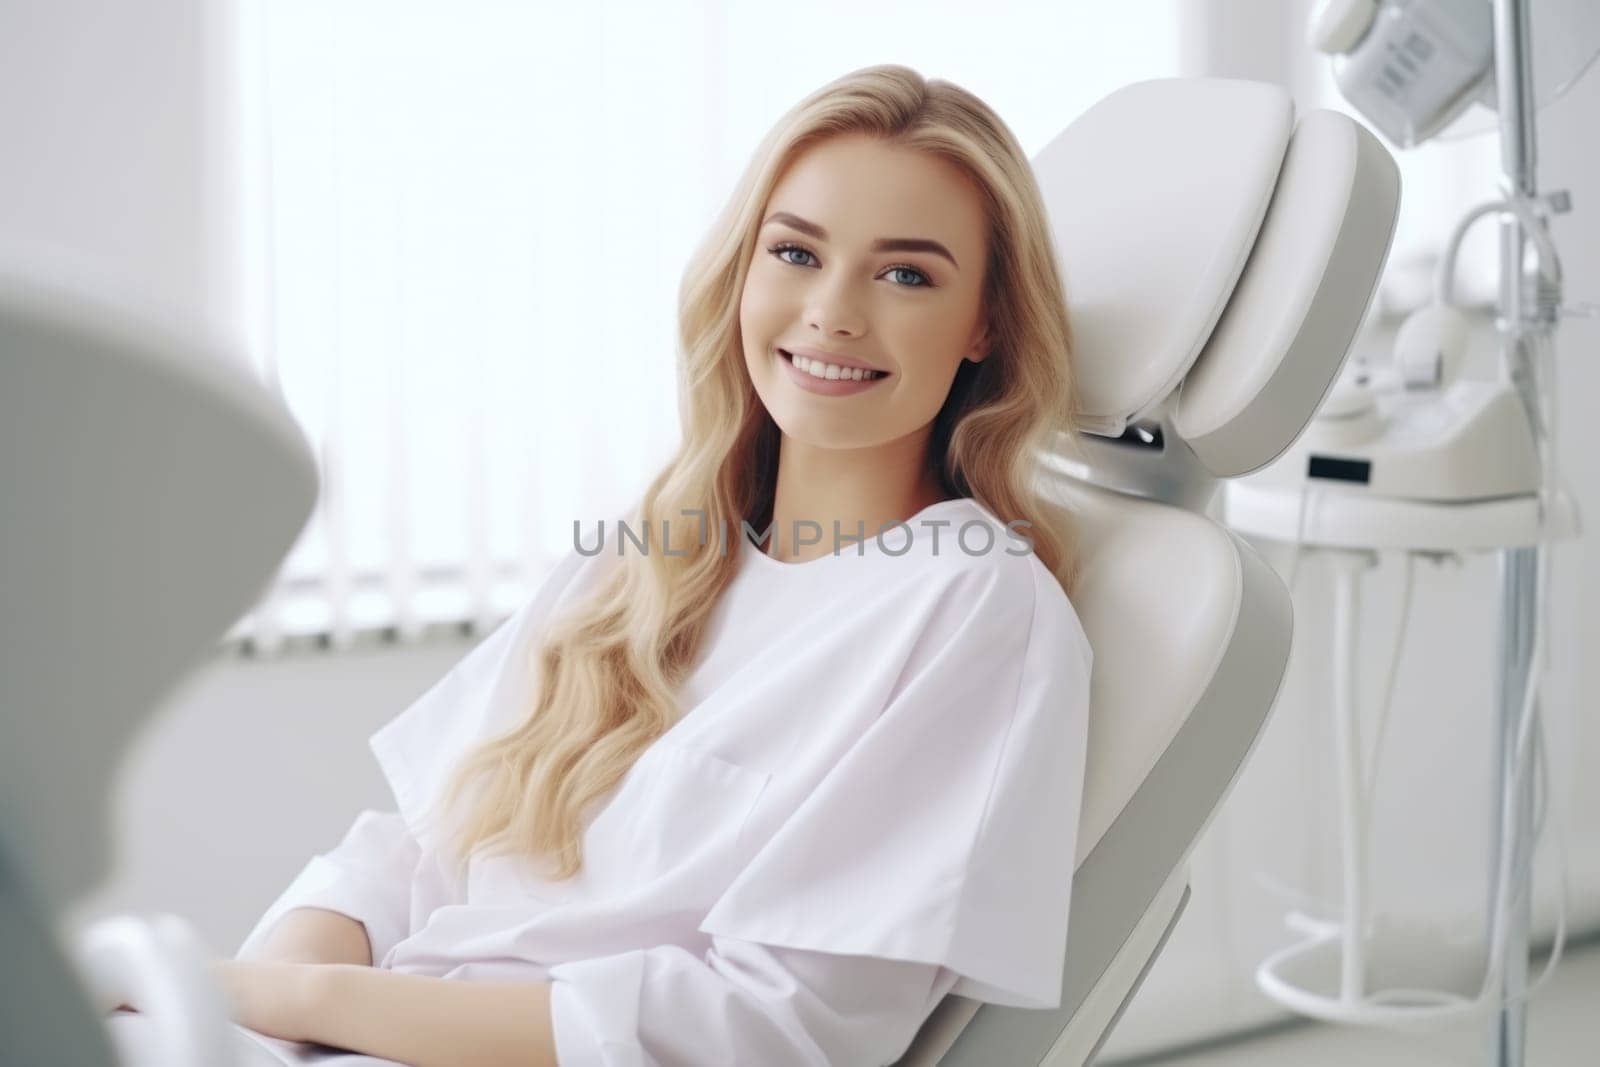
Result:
x=1264 y=879
x=1549 y=396
x=1388 y=690
x=1533 y=227
x=1444 y=279
x=1495 y=975
x=1522 y=208
x=1544 y=389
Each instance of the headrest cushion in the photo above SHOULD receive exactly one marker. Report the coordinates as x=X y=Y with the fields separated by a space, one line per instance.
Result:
x=1155 y=196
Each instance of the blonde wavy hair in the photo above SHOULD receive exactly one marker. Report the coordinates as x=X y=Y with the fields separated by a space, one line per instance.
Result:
x=610 y=669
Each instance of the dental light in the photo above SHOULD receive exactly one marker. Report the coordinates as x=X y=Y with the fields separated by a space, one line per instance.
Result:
x=1415 y=68
x=1410 y=67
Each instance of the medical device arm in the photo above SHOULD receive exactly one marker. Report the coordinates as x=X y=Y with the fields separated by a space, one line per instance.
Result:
x=314 y=935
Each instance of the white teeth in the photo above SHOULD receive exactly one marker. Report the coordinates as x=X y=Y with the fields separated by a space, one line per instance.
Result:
x=832 y=371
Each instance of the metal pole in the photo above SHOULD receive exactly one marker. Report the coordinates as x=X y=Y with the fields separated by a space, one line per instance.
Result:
x=1518 y=566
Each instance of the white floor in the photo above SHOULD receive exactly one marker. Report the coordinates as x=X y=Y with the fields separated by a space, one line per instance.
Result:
x=1563 y=1031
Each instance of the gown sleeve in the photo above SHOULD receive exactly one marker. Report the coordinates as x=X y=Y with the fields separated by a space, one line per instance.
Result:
x=370 y=875
x=366 y=877
x=947 y=834
x=741 y=1003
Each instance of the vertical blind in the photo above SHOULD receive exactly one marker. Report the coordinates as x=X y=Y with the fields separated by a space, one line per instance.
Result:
x=467 y=227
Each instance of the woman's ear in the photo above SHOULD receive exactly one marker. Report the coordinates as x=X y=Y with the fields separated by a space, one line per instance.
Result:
x=980 y=346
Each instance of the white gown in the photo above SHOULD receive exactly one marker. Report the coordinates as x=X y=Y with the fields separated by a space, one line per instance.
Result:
x=871 y=800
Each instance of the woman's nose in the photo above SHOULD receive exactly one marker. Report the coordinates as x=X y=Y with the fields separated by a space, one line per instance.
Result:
x=833 y=308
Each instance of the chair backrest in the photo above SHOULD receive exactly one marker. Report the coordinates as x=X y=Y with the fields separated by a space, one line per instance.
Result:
x=1219 y=260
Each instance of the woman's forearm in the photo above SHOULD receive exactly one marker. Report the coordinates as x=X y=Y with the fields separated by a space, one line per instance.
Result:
x=315 y=935
x=430 y=1022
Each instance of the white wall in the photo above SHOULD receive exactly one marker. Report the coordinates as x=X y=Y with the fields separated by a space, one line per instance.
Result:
x=245 y=773
x=121 y=156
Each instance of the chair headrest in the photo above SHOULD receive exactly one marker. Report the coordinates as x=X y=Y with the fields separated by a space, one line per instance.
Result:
x=1218 y=257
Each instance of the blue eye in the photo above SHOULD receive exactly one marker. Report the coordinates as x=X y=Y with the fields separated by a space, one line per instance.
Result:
x=779 y=250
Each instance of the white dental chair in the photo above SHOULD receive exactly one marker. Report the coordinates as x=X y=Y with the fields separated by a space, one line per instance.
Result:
x=1219 y=259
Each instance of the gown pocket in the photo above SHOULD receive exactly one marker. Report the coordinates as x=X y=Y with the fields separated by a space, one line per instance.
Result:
x=673 y=831
x=687 y=814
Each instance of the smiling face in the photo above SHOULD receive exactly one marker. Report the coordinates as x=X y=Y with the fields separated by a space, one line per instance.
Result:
x=874 y=253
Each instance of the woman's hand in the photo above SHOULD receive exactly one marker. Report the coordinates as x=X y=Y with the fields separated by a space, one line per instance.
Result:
x=269 y=998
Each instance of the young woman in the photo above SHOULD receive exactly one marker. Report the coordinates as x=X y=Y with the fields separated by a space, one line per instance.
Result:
x=700 y=802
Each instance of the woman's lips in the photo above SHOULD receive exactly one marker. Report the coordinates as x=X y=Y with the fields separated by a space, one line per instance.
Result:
x=824 y=386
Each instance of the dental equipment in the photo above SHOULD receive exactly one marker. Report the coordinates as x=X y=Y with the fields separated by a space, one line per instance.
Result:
x=1425 y=463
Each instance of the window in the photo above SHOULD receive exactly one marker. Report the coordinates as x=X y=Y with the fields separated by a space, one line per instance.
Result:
x=469 y=222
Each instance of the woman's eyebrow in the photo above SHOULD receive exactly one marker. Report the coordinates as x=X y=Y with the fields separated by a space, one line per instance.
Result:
x=882 y=244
